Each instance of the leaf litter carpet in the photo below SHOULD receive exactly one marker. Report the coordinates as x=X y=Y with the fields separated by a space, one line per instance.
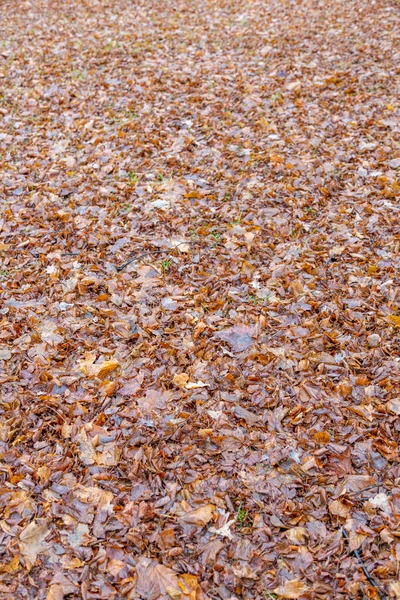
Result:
x=199 y=301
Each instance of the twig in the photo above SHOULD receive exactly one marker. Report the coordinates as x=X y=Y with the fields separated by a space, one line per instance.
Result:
x=160 y=251
x=371 y=580
x=370 y=487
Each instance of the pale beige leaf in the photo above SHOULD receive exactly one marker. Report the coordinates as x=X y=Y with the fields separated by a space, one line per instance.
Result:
x=394 y=406
x=224 y=531
x=356 y=540
x=338 y=508
x=32 y=542
x=60 y=587
x=297 y=535
x=395 y=589
x=193 y=385
x=291 y=589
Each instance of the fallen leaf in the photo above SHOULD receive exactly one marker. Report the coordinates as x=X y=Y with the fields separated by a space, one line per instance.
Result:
x=5 y=353
x=297 y=535
x=10 y=567
x=100 y=370
x=180 y=379
x=155 y=580
x=60 y=587
x=194 y=385
x=291 y=589
x=394 y=406
x=224 y=531
x=356 y=483
x=394 y=320
x=239 y=337
x=339 y=509
x=32 y=542
x=199 y=516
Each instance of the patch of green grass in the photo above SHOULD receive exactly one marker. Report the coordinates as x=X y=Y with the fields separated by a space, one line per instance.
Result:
x=130 y=114
x=161 y=177
x=257 y=299
x=132 y=176
x=310 y=209
x=237 y=220
x=4 y=273
x=277 y=97
x=75 y=74
x=165 y=265
x=242 y=517
x=216 y=235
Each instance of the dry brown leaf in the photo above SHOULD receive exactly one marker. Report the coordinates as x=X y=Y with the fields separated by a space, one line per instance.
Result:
x=291 y=589
x=32 y=542
x=155 y=580
x=356 y=483
x=297 y=535
x=180 y=380
x=100 y=370
x=339 y=509
x=239 y=337
x=199 y=516
x=60 y=587
x=87 y=452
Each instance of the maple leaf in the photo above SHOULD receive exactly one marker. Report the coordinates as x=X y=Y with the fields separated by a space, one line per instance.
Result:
x=224 y=531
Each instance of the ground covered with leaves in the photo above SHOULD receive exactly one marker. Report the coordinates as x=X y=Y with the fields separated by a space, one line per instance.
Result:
x=199 y=302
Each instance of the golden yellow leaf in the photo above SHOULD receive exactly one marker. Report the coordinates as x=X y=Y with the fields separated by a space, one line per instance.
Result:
x=11 y=567
x=394 y=320
x=100 y=370
x=180 y=380
x=188 y=583
x=322 y=437
x=108 y=387
x=205 y=432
